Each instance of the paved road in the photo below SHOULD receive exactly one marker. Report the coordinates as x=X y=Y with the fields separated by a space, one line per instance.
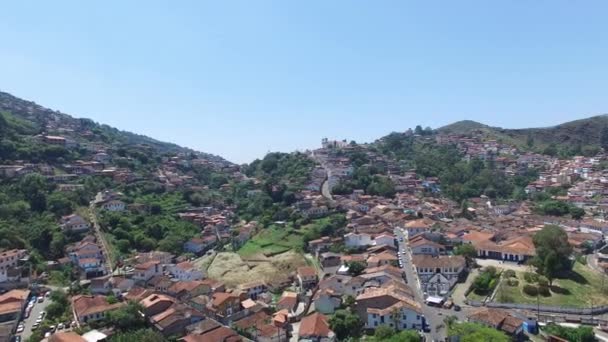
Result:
x=101 y=239
x=434 y=316
x=29 y=322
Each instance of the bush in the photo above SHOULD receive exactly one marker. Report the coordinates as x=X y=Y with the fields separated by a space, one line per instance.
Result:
x=543 y=281
x=544 y=291
x=531 y=277
x=513 y=282
x=509 y=274
x=531 y=290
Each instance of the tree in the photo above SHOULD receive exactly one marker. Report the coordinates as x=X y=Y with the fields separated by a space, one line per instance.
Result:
x=530 y=141
x=418 y=130
x=474 y=332
x=552 y=252
x=147 y=335
x=345 y=324
x=577 y=213
x=355 y=268
x=383 y=332
x=127 y=317
x=604 y=138
x=579 y=334
x=467 y=250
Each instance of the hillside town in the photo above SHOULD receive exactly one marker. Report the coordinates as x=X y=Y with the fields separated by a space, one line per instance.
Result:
x=187 y=246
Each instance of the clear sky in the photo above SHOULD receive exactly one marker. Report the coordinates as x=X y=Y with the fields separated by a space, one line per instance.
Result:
x=241 y=78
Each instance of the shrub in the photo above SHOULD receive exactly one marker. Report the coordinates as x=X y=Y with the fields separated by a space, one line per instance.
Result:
x=512 y=282
x=543 y=281
x=490 y=270
x=531 y=277
x=544 y=291
x=531 y=290
x=509 y=274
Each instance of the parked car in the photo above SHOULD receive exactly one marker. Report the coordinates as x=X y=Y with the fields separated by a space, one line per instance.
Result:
x=40 y=299
x=60 y=326
x=457 y=308
x=20 y=328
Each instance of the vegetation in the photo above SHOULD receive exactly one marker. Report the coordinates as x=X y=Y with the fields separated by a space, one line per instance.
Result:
x=385 y=333
x=580 y=288
x=345 y=324
x=579 y=334
x=147 y=335
x=473 y=332
x=486 y=281
x=553 y=252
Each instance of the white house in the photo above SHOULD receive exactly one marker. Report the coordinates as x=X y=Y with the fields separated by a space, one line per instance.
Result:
x=144 y=272
x=387 y=306
x=185 y=271
x=113 y=205
x=355 y=240
x=327 y=301
x=74 y=223
x=438 y=274
x=385 y=239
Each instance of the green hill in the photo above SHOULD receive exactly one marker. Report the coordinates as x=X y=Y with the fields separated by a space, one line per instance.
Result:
x=584 y=132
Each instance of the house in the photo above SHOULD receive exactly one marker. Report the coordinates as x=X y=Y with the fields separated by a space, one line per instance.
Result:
x=220 y=334
x=385 y=239
x=160 y=283
x=329 y=259
x=68 y=336
x=185 y=271
x=419 y=244
x=74 y=223
x=322 y=245
x=10 y=261
x=382 y=259
x=175 y=319
x=87 y=256
x=438 y=274
x=387 y=306
x=519 y=248
x=498 y=319
x=144 y=272
x=418 y=226
x=357 y=240
x=90 y=308
x=315 y=328
x=254 y=289
x=327 y=300
x=307 y=277
x=196 y=245
x=101 y=285
x=288 y=301
x=12 y=304
x=224 y=305
x=113 y=205
x=156 y=303
x=185 y=290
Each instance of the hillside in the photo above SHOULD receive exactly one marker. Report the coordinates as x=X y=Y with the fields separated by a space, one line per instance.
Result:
x=26 y=118
x=584 y=132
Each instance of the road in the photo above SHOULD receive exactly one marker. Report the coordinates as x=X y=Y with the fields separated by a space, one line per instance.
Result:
x=101 y=239
x=434 y=316
x=29 y=322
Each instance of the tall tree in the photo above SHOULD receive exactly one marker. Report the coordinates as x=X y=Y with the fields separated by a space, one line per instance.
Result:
x=552 y=252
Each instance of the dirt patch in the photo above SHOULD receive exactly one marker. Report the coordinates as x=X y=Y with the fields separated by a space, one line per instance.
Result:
x=232 y=270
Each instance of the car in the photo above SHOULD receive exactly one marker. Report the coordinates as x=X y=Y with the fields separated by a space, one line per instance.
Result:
x=20 y=328
x=17 y=339
x=35 y=326
x=40 y=299
x=60 y=326
x=48 y=294
x=52 y=328
x=457 y=308
x=47 y=335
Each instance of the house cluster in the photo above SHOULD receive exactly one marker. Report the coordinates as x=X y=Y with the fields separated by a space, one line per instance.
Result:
x=216 y=226
x=12 y=266
x=476 y=146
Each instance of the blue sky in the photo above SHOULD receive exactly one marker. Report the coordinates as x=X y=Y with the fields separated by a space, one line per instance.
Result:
x=241 y=78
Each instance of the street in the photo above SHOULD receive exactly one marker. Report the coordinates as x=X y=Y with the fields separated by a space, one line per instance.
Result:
x=29 y=322
x=101 y=240
x=434 y=316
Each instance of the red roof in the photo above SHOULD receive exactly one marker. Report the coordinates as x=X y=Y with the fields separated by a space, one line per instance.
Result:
x=315 y=325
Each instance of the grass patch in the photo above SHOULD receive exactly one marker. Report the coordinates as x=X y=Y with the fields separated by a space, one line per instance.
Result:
x=271 y=241
x=582 y=288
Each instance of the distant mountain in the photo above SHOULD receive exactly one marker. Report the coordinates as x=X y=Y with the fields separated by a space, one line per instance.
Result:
x=585 y=132
x=29 y=118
